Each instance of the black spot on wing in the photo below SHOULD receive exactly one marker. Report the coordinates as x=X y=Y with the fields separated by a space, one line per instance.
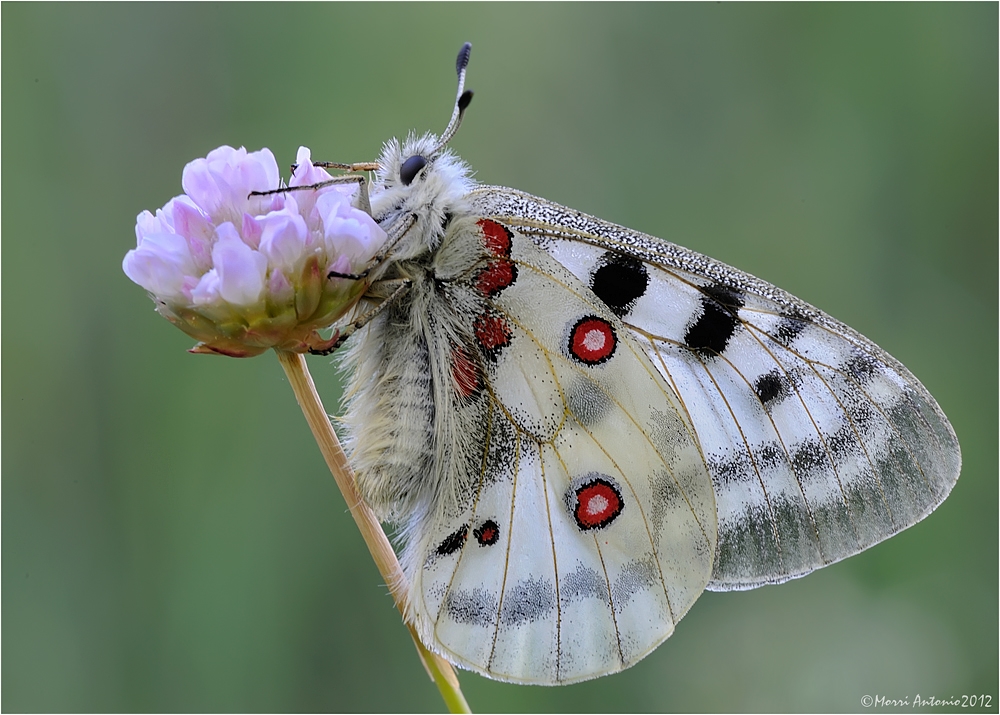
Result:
x=861 y=366
x=740 y=468
x=454 y=541
x=734 y=468
x=809 y=455
x=488 y=533
x=770 y=386
x=718 y=320
x=619 y=281
x=791 y=324
x=770 y=455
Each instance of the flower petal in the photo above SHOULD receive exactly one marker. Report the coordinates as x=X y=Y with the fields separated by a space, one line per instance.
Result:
x=252 y=229
x=241 y=269
x=207 y=290
x=220 y=183
x=200 y=184
x=348 y=231
x=191 y=223
x=278 y=288
x=160 y=264
x=283 y=241
x=305 y=173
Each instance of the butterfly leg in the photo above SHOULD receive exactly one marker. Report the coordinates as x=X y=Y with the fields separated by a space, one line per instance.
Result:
x=362 y=203
x=399 y=288
x=358 y=166
x=362 y=200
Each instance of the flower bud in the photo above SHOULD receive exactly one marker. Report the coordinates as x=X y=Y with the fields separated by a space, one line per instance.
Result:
x=246 y=273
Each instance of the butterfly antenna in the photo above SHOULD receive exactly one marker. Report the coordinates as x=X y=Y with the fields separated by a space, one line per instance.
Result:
x=462 y=100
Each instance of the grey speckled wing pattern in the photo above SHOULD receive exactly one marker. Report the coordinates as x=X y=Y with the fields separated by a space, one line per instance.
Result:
x=819 y=443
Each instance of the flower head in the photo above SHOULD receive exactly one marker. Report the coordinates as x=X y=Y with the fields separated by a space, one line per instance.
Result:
x=243 y=273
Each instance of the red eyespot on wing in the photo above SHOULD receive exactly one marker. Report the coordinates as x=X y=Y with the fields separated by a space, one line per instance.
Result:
x=496 y=276
x=595 y=503
x=492 y=333
x=496 y=237
x=464 y=372
x=592 y=340
x=487 y=534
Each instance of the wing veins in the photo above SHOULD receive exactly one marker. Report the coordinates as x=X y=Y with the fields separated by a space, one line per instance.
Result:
x=860 y=345
x=753 y=460
x=475 y=506
x=784 y=448
x=819 y=433
x=858 y=342
x=555 y=565
x=611 y=397
x=913 y=459
x=860 y=441
x=506 y=562
x=645 y=522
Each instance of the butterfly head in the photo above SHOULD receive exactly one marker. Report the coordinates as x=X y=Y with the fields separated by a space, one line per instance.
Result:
x=421 y=176
x=408 y=166
x=402 y=165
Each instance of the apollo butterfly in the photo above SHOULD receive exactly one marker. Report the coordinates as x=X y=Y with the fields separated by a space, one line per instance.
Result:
x=579 y=428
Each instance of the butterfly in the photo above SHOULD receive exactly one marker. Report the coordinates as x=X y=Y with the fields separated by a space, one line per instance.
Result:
x=578 y=428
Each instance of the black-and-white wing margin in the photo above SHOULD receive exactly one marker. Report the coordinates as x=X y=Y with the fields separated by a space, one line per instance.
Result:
x=818 y=442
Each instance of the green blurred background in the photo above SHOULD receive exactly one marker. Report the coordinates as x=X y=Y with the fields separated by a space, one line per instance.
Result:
x=171 y=539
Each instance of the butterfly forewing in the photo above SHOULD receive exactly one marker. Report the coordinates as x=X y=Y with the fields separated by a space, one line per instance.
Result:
x=818 y=442
x=591 y=527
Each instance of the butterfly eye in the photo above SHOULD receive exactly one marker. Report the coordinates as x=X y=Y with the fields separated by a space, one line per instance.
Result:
x=408 y=171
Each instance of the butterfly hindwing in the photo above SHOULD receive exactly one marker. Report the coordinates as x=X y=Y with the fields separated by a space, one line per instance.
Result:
x=589 y=528
x=819 y=443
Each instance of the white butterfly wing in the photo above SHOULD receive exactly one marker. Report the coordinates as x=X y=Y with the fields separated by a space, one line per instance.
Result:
x=590 y=524
x=819 y=443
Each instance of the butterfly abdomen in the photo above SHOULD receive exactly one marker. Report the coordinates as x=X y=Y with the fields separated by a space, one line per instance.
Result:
x=418 y=384
x=390 y=394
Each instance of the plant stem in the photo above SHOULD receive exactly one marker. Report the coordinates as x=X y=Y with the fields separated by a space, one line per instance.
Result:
x=301 y=381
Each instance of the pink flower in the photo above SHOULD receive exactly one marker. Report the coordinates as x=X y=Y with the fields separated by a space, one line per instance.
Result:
x=241 y=269
x=221 y=182
x=246 y=273
x=351 y=231
x=285 y=239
